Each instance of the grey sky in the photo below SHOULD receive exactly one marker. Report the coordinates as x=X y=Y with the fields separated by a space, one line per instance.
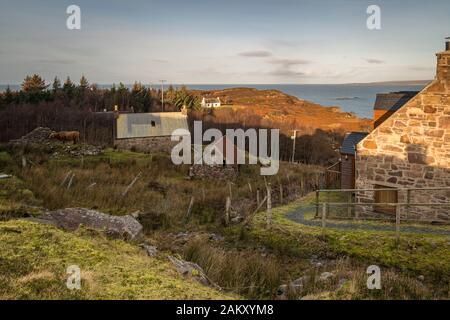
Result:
x=200 y=41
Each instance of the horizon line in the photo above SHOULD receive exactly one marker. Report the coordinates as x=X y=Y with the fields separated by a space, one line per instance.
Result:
x=404 y=82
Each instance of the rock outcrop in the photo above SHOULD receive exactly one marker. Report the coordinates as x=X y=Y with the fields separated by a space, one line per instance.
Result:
x=125 y=227
x=192 y=270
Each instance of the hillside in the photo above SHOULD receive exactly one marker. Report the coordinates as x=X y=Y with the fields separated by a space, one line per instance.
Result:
x=276 y=109
x=34 y=258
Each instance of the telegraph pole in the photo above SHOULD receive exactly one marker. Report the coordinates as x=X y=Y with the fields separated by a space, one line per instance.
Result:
x=294 y=137
x=162 y=93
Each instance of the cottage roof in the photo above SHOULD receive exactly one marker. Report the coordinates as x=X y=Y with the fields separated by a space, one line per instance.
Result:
x=212 y=100
x=139 y=125
x=350 y=142
x=394 y=100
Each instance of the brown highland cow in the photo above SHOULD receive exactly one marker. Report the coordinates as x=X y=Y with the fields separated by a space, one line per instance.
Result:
x=66 y=136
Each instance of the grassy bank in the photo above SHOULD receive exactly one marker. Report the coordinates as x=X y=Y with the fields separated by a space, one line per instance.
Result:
x=34 y=259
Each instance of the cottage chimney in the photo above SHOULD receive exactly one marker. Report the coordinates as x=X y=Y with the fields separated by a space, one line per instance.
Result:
x=443 y=65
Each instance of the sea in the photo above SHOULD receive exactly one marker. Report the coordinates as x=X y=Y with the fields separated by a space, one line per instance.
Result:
x=358 y=98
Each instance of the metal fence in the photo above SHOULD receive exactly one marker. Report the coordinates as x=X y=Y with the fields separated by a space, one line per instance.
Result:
x=346 y=204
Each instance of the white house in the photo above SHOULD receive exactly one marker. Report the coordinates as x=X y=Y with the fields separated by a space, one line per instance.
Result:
x=211 y=102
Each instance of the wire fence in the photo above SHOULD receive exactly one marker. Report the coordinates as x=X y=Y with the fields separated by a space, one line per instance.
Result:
x=401 y=205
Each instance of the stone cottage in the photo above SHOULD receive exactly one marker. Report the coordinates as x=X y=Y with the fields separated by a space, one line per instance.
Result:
x=148 y=132
x=411 y=149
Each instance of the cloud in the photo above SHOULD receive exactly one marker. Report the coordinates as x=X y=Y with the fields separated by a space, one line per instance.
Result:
x=375 y=61
x=289 y=62
x=286 y=67
x=286 y=73
x=256 y=54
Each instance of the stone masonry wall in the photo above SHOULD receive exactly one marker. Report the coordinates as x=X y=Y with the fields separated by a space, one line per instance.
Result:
x=412 y=149
x=147 y=144
x=213 y=172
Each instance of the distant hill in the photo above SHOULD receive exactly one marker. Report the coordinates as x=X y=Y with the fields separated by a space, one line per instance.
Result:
x=393 y=83
x=276 y=109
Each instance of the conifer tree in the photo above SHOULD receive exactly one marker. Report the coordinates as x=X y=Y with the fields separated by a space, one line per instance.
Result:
x=33 y=84
x=56 y=86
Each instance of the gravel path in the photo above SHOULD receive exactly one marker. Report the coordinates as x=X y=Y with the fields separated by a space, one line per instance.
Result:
x=297 y=215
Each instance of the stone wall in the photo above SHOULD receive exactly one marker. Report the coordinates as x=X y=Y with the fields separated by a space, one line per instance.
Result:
x=147 y=144
x=411 y=149
x=213 y=172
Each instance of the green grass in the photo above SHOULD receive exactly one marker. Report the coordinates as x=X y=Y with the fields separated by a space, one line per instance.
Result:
x=118 y=270
x=16 y=200
x=34 y=259
x=336 y=215
x=4 y=157
x=419 y=254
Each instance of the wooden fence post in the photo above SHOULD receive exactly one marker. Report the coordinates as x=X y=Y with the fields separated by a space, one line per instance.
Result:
x=349 y=204
x=227 y=211
x=328 y=203
x=302 y=185
x=70 y=181
x=317 y=203
x=324 y=216
x=250 y=187
x=131 y=184
x=269 y=205
x=91 y=185
x=408 y=201
x=191 y=205
x=250 y=217
x=397 y=222
x=65 y=178
x=257 y=197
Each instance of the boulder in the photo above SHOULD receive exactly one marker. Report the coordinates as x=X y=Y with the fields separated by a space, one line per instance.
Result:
x=152 y=251
x=325 y=276
x=293 y=288
x=124 y=227
x=192 y=270
x=236 y=220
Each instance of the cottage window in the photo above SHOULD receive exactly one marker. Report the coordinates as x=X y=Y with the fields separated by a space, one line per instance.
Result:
x=386 y=195
x=153 y=124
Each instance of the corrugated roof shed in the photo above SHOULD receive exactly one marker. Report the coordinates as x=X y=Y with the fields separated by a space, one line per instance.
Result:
x=394 y=100
x=350 y=142
x=140 y=125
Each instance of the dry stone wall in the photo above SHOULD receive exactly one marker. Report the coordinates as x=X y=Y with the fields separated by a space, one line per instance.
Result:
x=147 y=144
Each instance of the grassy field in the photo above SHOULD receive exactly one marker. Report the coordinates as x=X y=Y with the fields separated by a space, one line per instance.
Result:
x=161 y=196
x=251 y=261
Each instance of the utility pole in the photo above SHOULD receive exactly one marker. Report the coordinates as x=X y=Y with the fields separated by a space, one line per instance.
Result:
x=294 y=137
x=162 y=93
